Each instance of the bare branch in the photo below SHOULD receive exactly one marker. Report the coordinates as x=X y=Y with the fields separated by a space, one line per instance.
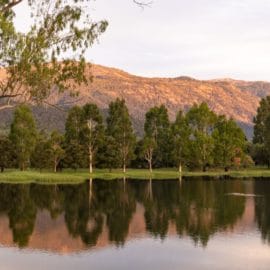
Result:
x=7 y=106
x=10 y=5
x=143 y=4
x=10 y=96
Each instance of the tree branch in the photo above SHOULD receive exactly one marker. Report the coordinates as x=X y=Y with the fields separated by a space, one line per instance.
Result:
x=143 y=4
x=10 y=5
x=10 y=96
x=7 y=106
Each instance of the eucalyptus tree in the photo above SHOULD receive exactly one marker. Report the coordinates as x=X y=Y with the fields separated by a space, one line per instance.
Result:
x=263 y=112
x=119 y=127
x=201 y=121
x=157 y=128
x=229 y=140
x=148 y=148
x=56 y=148
x=74 y=151
x=108 y=153
x=40 y=157
x=50 y=55
x=23 y=135
x=181 y=140
x=92 y=131
x=261 y=128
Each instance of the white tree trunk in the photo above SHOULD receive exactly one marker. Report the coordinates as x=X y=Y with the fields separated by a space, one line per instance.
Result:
x=180 y=168
x=150 y=166
x=90 y=160
x=55 y=165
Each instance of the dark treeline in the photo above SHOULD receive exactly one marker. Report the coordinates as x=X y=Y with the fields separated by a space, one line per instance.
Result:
x=197 y=139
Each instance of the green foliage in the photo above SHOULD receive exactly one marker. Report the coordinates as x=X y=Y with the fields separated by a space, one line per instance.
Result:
x=108 y=154
x=197 y=139
x=92 y=132
x=40 y=157
x=261 y=140
x=74 y=150
x=23 y=135
x=157 y=127
x=119 y=127
x=147 y=150
x=259 y=154
x=50 y=55
x=263 y=113
x=201 y=120
x=7 y=153
x=56 y=151
x=181 y=140
x=229 y=139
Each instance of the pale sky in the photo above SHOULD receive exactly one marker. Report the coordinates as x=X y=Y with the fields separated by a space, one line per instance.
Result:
x=205 y=39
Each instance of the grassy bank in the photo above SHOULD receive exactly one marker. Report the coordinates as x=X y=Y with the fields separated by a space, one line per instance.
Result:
x=69 y=176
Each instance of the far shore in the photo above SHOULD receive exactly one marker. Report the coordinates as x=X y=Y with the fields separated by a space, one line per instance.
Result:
x=69 y=176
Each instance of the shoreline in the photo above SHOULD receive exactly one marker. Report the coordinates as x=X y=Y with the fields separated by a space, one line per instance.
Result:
x=75 y=177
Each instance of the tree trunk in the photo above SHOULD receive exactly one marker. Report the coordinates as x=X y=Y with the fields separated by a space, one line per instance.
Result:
x=2 y=169
x=90 y=161
x=150 y=166
x=180 y=168
x=124 y=167
x=55 y=165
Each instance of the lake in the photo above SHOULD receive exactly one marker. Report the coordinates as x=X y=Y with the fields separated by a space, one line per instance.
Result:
x=195 y=223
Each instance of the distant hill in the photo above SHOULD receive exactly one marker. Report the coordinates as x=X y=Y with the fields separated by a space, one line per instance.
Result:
x=234 y=98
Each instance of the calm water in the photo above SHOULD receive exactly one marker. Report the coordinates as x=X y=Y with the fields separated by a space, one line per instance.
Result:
x=192 y=224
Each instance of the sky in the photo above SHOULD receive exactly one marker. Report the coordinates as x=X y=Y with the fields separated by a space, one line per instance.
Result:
x=204 y=39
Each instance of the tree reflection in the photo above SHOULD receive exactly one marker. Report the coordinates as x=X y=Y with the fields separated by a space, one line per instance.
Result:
x=262 y=207
x=117 y=203
x=197 y=209
x=16 y=202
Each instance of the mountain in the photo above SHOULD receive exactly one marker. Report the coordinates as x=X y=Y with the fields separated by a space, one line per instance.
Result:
x=234 y=98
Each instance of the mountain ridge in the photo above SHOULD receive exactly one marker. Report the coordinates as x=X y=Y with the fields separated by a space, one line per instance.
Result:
x=234 y=98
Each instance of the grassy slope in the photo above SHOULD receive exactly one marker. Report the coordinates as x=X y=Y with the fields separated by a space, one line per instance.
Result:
x=68 y=176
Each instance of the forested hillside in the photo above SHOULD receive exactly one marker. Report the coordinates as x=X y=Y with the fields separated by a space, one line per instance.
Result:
x=236 y=99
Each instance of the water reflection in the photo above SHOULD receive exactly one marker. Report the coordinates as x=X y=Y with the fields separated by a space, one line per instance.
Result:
x=100 y=213
x=262 y=207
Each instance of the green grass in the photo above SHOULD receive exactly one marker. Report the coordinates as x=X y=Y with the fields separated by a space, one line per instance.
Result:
x=73 y=177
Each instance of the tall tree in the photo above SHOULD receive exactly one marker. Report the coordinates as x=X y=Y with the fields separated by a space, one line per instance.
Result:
x=201 y=121
x=157 y=127
x=263 y=113
x=228 y=140
x=181 y=140
x=108 y=154
x=36 y=62
x=74 y=151
x=56 y=148
x=92 y=131
x=260 y=139
x=40 y=157
x=23 y=135
x=119 y=127
x=148 y=148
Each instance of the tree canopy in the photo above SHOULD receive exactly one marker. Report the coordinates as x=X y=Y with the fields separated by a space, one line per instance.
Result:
x=50 y=55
